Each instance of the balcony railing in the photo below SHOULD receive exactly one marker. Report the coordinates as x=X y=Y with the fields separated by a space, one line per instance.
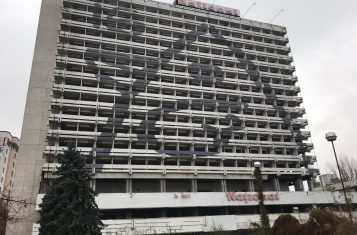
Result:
x=195 y=170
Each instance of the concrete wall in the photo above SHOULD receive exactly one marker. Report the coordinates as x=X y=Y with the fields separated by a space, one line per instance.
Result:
x=30 y=158
x=113 y=201
x=184 y=225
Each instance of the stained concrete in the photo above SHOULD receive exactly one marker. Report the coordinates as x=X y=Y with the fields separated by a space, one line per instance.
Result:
x=35 y=124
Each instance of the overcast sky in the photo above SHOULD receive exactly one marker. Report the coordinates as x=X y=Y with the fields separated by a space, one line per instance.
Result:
x=323 y=38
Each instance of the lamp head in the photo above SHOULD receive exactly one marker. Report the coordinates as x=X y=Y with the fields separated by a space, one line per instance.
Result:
x=331 y=136
x=257 y=164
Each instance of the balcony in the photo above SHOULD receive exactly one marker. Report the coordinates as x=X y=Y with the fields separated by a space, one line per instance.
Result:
x=308 y=159
x=299 y=122
x=305 y=147
x=302 y=135
x=313 y=171
x=99 y=170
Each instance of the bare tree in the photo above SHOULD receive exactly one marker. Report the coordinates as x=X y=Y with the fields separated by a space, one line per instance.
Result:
x=348 y=168
x=10 y=208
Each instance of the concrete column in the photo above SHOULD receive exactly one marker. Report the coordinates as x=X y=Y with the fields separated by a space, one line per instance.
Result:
x=276 y=184
x=93 y=184
x=298 y=185
x=194 y=185
x=195 y=211
x=224 y=185
x=128 y=214
x=129 y=186
x=251 y=186
x=162 y=185
x=163 y=212
x=310 y=184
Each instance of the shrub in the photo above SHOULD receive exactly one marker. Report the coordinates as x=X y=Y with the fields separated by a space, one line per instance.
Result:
x=286 y=224
x=346 y=228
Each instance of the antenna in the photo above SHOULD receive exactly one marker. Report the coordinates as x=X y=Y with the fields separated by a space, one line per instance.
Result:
x=251 y=6
x=272 y=19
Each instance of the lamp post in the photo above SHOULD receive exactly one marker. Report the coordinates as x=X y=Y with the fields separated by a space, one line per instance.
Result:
x=331 y=137
x=264 y=219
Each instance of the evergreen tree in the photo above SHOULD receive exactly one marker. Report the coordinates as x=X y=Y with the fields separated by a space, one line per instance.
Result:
x=69 y=206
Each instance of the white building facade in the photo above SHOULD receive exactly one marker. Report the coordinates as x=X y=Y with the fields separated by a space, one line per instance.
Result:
x=9 y=146
x=170 y=104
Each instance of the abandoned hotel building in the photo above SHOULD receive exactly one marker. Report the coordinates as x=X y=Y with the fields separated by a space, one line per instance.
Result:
x=171 y=105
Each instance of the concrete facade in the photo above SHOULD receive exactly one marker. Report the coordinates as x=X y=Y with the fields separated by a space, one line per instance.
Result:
x=35 y=123
x=162 y=98
x=208 y=223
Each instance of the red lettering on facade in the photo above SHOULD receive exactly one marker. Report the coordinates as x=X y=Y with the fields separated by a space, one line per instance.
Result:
x=231 y=196
x=240 y=197
x=192 y=4
x=248 y=197
x=209 y=7
x=182 y=2
x=221 y=10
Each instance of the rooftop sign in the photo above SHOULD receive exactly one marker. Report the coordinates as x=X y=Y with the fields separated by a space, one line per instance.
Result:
x=208 y=7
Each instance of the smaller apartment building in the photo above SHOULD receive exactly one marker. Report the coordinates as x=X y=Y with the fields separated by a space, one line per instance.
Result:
x=330 y=182
x=9 y=146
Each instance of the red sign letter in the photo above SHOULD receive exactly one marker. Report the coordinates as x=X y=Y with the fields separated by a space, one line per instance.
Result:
x=231 y=197
x=182 y=2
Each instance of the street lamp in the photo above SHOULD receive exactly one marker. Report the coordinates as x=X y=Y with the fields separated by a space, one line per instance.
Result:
x=257 y=164
x=331 y=136
x=264 y=219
